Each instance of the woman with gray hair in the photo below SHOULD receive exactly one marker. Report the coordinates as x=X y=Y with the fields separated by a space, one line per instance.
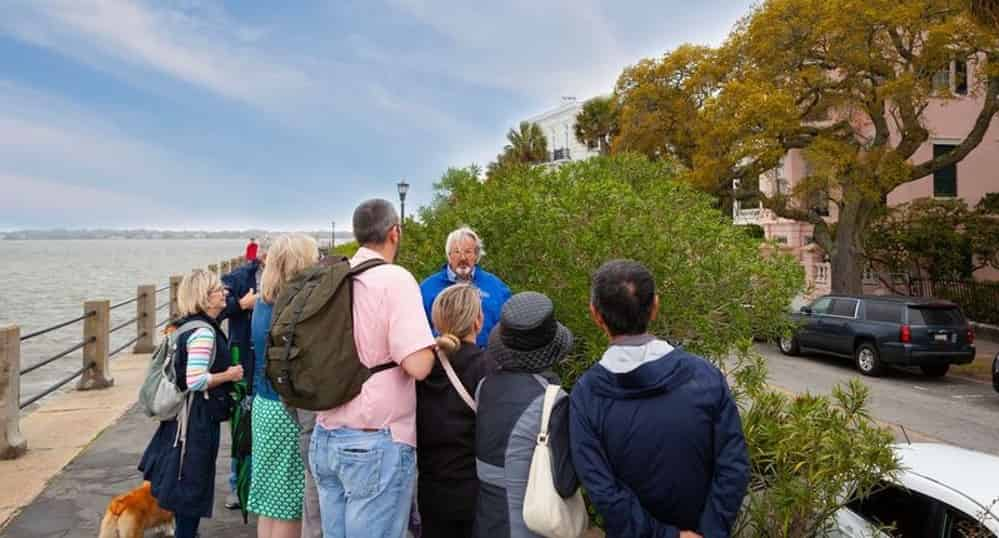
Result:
x=464 y=250
x=180 y=459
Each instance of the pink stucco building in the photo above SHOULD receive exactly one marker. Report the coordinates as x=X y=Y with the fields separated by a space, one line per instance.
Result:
x=949 y=121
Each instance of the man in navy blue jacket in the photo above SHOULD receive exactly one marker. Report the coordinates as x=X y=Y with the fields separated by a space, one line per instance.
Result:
x=243 y=283
x=656 y=437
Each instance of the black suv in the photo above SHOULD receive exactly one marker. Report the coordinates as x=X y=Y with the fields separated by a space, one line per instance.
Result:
x=877 y=331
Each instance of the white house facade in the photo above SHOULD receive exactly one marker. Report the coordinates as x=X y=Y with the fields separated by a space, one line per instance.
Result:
x=559 y=128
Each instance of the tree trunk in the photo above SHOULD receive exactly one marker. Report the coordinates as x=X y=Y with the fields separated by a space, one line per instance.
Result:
x=847 y=260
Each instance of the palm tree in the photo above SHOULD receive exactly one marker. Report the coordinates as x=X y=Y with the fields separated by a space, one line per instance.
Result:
x=986 y=12
x=597 y=123
x=527 y=144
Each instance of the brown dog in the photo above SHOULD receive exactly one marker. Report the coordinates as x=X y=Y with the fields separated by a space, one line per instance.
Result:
x=131 y=514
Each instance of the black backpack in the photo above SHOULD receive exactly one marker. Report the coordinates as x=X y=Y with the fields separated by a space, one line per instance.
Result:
x=312 y=361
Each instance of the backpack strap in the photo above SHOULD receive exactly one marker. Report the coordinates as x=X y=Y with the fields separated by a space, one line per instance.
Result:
x=194 y=325
x=364 y=266
x=353 y=272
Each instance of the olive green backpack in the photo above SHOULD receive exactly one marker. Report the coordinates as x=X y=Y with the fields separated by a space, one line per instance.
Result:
x=312 y=361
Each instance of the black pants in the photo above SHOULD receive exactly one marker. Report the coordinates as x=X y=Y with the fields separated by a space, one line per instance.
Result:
x=436 y=528
x=186 y=526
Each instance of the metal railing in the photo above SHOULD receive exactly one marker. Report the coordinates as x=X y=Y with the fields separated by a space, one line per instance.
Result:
x=978 y=300
x=97 y=332
x=83 y=344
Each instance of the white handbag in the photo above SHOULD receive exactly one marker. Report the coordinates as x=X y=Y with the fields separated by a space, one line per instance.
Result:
x=545 y=511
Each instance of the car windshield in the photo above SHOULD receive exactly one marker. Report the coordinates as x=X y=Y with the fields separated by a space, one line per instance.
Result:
x=927 y=315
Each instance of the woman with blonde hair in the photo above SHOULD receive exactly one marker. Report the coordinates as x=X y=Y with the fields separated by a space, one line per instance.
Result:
x=278 y=471
x=445 y=416
x=180 y=459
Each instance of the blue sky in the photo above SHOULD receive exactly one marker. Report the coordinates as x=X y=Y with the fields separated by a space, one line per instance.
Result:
x=184 y=114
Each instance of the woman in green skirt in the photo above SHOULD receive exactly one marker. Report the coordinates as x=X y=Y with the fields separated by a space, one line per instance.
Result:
x=278 y=473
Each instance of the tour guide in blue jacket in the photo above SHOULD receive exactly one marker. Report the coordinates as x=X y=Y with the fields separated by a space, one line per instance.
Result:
x=656 y=437
x=464 y=250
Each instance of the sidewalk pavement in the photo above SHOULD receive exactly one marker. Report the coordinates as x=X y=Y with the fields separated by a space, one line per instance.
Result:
x=62 y=426
x=73 y=503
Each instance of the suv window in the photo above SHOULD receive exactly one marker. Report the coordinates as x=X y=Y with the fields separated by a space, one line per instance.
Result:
x=947 y=316
x=881 y=311
x=821 y=306
x=844 y=307
x=904 y=512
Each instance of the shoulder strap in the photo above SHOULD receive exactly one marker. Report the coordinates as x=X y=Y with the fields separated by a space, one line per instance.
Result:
x=364 y=266
x=551 y=392
x=193 y=326
x=452 y=376
x=353 y=272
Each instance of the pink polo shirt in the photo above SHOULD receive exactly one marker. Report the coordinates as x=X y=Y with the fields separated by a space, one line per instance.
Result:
x=389 y=325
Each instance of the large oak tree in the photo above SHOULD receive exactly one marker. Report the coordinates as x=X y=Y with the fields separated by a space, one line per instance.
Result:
x=847 y=82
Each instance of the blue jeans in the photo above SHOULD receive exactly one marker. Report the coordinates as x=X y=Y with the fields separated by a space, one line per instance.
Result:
x=365 y=482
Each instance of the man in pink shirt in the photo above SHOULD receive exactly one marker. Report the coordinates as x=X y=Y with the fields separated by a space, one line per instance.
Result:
x=363 y=453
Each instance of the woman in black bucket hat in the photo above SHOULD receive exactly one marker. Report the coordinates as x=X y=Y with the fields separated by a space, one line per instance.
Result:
x=525 y=345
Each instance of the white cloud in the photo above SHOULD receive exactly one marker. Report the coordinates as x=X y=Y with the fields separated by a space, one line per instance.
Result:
x=42 y=134
x=208 y=50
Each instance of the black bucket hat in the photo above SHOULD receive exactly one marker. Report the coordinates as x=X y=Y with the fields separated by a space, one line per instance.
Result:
x=528 y=338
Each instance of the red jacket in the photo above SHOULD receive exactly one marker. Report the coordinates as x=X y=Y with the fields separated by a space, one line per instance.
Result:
x=251 y=251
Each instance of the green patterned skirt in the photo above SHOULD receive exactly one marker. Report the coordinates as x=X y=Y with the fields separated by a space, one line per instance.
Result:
x=278 y=474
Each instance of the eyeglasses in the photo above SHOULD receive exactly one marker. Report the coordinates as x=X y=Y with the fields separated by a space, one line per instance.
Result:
x=464 y=253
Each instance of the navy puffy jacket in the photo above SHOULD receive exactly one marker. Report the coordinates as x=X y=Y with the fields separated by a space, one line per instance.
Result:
x=660 y=449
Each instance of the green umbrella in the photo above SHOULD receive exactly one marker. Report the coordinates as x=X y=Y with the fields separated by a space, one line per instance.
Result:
x=239 y=429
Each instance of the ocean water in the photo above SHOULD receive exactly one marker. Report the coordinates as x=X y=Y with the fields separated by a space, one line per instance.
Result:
x=43 y=283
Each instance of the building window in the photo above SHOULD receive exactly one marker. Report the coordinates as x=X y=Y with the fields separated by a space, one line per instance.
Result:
x=941 y=80
x=780 y=239
x=960 y=77
x=952 y=78
x=945 y=179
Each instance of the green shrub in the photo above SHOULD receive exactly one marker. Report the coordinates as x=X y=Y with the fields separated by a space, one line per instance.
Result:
x=547 y=230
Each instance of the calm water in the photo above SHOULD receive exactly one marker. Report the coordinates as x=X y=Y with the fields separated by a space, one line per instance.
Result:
x=45 y=282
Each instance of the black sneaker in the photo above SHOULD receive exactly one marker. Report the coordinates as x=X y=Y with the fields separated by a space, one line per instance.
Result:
x=232 y=502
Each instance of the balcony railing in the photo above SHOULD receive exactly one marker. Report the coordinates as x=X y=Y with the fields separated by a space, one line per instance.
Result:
x=822 y=273
x=742 y=217
x=561 y=154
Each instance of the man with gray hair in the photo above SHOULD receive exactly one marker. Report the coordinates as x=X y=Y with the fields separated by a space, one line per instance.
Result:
x=464 y=250
x=363 y=453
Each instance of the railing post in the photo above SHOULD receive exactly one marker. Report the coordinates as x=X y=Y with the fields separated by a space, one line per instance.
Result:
x=174 y=286
x=225 y=267
x=12 y=443
x=145 y=326
x=95 y=334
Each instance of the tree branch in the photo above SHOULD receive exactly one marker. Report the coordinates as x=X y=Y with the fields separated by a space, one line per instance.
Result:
x=989 y=109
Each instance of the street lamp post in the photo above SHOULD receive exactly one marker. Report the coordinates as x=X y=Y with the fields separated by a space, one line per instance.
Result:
x=403 y=189
x=332 y=235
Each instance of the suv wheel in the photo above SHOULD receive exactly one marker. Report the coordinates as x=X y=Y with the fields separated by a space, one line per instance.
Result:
x=868 y=359
x=789 y=345
x=935 y=370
